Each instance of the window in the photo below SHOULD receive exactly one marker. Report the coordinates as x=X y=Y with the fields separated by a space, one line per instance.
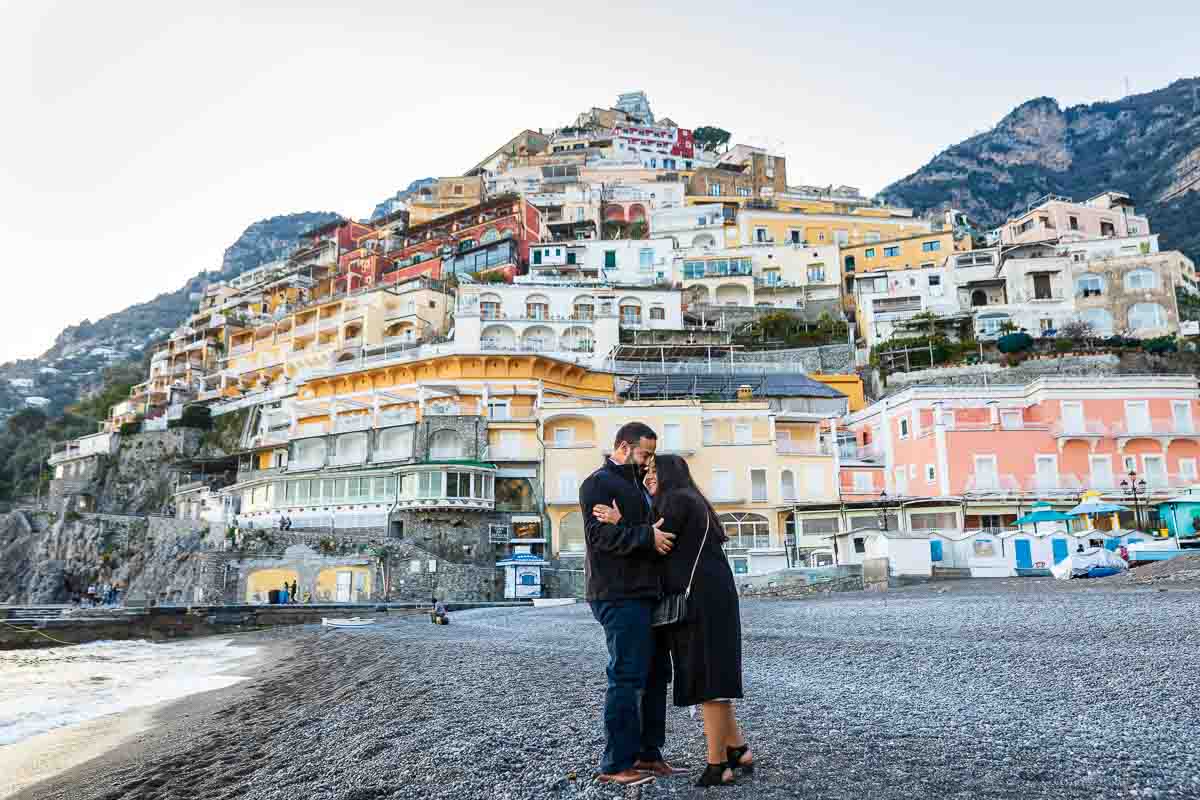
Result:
x=746 y=531
x=672 y=437
x=935 y=280
x=758 y=485
x=986 y=476
x=708 y=435
x=930 y=247
x=1101 y=472
x=1041 y=287
x=646 y=260
x=795 y=236
x=933 y=521
x=1010 y=420
x=446 y=444
x=891 y=252
x=1155 y=468
x=787 y=485
x=930 y=473
x=903 y=428
x=870 y=252
x=1181 y=416
x=564 y=437
x=863 y=482
x=1101 y=320
x=631 y=315
x=1045 y=472
x=610 y=259
x=901 y=480
x=1141 y=279
x=570 y=533
x=760 y=235
x=860 y=544
x=658 y=313
x=510 y=444
x=816 y=273
x=1187 y=470
x=1147 y=315
x=722 y=484
x=741 y=434
x=1073 y=223
x=1107 y=228
x=568 y=486
x=871 y=236
x=394 y=443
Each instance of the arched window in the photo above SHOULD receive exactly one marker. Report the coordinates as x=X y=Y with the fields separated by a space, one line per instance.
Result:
x=1141 y=279
x=1143 y=316
x=787 y=485
x=446 y=444
x=1101 y=320
x=394 y=443
x=1089 y=285
x=979 y=297
x=489 y=236
x=570 y=533
x=537 y=306
x=747 y=531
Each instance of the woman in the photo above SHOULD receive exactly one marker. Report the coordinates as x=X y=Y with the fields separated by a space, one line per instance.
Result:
x=706 y=648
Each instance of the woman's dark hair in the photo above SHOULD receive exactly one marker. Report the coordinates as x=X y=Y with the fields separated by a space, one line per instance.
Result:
x=674 y=477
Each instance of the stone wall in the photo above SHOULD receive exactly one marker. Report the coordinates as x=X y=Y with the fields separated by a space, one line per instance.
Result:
x=410 y=577
x=831 y=358
x=564 y=578
x=797 y=583
x=141 y=478
x=993 y=374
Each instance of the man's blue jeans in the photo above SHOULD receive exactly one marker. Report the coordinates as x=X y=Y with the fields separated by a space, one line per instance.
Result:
x=639 y=669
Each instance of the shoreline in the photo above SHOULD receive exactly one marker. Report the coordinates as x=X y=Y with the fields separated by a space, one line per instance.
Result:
x=74 y=754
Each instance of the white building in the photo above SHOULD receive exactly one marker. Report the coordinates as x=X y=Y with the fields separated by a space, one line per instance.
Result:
x=576 y=321
x=692 y=227
x=617 y=261
x=34 y=401
x=782 y=276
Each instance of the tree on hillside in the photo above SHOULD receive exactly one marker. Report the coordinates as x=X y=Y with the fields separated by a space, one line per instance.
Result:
x=711 y=138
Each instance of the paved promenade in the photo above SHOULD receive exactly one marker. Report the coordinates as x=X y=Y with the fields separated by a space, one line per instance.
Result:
x=1008 y=689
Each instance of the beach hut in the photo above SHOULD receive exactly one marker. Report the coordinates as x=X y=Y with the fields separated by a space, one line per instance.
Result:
x=1042 y=539
x=907 y=552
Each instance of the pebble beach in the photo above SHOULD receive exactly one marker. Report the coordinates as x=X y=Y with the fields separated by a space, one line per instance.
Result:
x=971 y=689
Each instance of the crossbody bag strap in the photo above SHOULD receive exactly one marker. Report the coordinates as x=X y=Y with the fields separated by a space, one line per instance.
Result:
x=700 y=552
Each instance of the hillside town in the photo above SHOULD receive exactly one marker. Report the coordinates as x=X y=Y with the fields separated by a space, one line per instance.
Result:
x=412 y=401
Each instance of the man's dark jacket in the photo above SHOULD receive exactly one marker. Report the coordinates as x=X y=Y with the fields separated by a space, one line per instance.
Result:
x=621 y=561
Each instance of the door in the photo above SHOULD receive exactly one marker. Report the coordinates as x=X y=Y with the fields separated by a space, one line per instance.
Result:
x=1181 y=413
x=935 y=550
x=1156 y=471
x=1041 y=287
x=1073 y=417
x=1024 y=554
x=1060 y=549
x=343 y=586
x=1047 y=472
x=537 y=255
x=1137 y=416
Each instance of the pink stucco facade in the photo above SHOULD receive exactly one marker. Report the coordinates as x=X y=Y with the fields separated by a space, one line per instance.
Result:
x=1048 y=438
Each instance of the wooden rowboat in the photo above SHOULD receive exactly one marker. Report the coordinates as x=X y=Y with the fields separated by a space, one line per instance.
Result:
x=352 y=622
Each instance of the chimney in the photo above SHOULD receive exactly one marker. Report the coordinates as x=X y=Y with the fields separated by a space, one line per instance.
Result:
x=744 y=393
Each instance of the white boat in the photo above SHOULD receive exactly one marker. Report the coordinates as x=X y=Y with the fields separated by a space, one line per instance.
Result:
x=352 y=622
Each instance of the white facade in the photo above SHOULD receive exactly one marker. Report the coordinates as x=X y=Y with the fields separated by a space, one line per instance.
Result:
x=37 y=402
x=783 y=276
x=618 y=261
x=576 y=321
x=698 y=227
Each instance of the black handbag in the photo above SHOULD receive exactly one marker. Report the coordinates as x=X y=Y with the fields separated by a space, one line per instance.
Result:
x=672 y=609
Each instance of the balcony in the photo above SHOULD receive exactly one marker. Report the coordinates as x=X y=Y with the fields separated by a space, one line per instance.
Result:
x=329 y=324
x=992 y=484
x=507 y=454
x=1059 y=482
x=574 y=444
x=1078 y=430
x=802 y=448
x=348 y=424
x=1155 y=428
x=307 y=329
x=854 y=452
x=348 y=459
x=241 y=349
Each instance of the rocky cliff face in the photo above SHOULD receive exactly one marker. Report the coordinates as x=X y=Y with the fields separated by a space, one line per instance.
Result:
x=1147 y=145
x=397 y=201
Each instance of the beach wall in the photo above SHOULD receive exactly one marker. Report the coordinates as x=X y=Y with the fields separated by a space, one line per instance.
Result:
x=801 y=582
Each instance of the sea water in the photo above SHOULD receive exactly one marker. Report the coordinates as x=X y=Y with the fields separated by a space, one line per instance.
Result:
x=41 y=690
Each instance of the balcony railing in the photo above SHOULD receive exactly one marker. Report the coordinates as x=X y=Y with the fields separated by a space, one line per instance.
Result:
x=358 y=422
x=304 y=330
x=574 y=444
x=1059 y=482
x=1155 y=427
x=855 y=452
x=802 y=448
x=1061 y=430
x=991 y=483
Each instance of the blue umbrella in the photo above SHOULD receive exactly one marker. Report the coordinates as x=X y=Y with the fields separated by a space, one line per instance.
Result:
x=1042 y=512
x=1096 y=507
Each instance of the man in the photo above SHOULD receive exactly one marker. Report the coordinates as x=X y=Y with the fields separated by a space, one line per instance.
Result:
x=623 y=586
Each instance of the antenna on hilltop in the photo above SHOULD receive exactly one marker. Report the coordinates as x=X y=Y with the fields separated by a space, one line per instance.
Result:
x=1127 y=91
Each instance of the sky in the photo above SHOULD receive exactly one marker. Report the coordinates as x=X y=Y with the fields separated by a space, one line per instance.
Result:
x=139 y=139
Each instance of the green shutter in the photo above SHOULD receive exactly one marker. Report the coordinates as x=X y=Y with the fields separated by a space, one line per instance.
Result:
x=610 y=259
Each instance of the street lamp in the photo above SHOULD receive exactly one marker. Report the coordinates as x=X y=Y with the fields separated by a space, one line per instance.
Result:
x=881 y=510
x=1137 y=488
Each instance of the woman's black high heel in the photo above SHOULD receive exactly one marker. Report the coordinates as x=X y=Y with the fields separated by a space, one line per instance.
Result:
x=714 y=775
x=735 y=755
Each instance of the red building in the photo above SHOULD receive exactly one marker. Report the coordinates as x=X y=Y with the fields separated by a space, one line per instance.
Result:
x=493 y=236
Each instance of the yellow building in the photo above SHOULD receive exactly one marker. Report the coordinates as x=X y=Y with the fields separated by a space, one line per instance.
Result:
x=801 y=226
x=905 y=252
x=445 y=196
x=754 y=465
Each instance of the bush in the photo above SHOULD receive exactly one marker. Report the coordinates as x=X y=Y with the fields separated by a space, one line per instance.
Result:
x=1161 y=345
x=1014 y=343
x=1064 y=345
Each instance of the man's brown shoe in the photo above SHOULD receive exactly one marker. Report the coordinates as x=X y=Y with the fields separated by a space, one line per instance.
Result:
x=660 y=768
x=627 y=777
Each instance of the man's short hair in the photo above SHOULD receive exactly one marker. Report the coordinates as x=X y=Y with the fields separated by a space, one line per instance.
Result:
x=632 y=433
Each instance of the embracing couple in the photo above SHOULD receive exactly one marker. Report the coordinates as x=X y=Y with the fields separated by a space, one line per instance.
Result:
x=651 y=535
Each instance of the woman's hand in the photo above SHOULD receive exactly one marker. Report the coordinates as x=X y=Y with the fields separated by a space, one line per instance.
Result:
x=607 y=514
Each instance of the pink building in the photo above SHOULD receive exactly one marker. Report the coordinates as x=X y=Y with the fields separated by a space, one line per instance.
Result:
x=997 y=449
x=1107 y=215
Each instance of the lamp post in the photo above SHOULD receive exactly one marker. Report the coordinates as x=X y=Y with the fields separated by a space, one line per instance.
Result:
x=881 y=510
x=1137 y=488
